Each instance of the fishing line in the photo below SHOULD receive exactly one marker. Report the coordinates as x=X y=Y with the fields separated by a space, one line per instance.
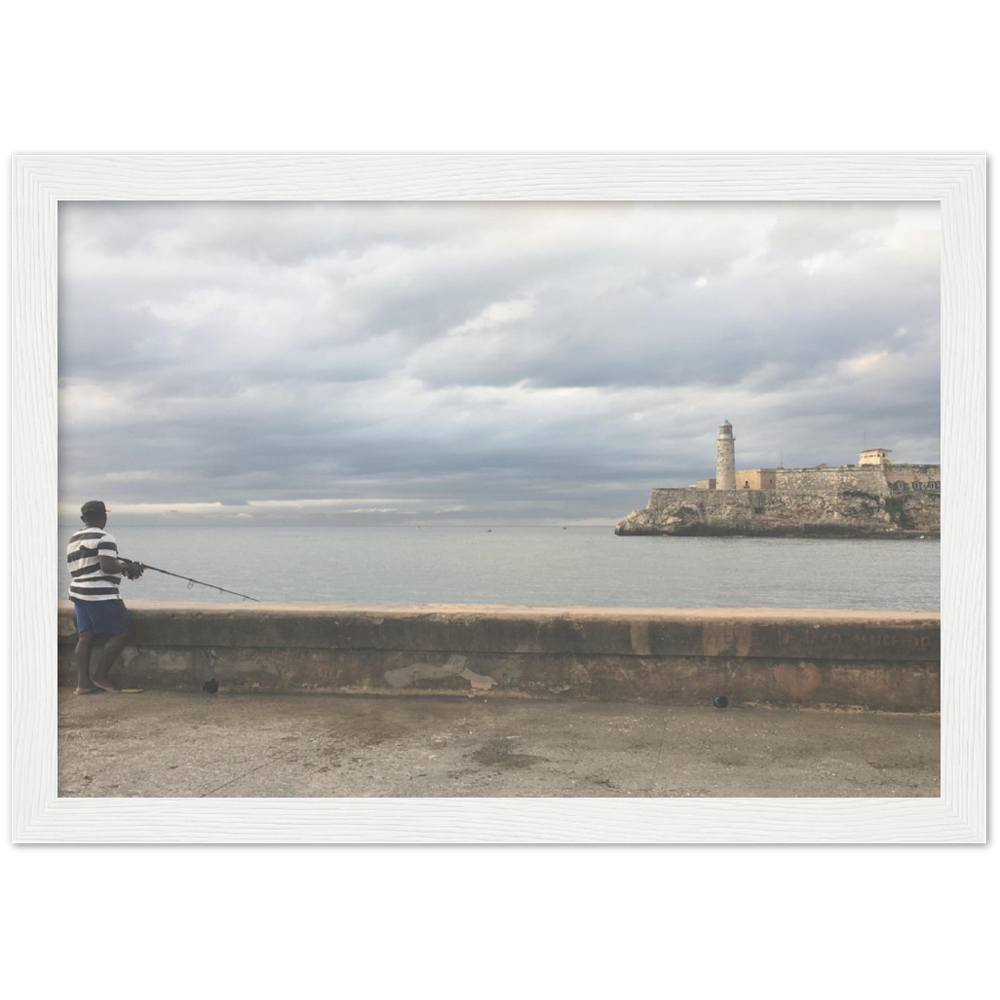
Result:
x=191 y=581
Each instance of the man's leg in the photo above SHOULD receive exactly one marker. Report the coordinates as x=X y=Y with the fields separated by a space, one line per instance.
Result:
x=110 y=653
x=112 y=617
x=81 y=660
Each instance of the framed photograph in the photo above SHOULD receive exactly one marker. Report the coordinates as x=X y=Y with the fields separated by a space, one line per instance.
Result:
x=955 y=183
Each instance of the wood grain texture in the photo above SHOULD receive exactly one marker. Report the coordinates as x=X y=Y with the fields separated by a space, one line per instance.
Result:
x=957 y=181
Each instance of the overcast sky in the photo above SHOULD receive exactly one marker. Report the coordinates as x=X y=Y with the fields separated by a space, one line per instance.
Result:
x=356 y=363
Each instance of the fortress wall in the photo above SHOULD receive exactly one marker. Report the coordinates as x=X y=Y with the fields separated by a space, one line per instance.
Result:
x=874 y=660
x=875 y=479
x=668 y=497
x=905 y=478
x=865 y=479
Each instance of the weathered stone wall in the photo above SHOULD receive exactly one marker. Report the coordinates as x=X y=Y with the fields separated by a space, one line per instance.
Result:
x=830 y=482
x=832 y=512
x=874 y=660
x=877 y=479
x=916 y=478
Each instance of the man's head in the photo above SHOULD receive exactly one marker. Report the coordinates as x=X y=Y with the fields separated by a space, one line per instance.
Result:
x=94 y=512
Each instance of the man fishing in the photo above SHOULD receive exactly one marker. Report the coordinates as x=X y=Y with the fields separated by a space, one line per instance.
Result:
x=95 y=571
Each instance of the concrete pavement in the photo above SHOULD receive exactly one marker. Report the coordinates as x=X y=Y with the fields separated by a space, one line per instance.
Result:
x=168 y=744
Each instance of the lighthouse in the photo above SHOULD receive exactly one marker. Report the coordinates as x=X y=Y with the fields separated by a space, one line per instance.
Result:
x=725 y=458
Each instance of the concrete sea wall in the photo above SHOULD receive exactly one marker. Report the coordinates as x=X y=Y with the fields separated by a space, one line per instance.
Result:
x=873 y=660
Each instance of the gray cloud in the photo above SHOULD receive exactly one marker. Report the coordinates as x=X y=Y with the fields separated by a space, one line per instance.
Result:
x=453 y=360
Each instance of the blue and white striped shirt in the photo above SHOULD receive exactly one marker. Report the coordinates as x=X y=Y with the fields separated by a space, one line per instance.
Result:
x=87 y=582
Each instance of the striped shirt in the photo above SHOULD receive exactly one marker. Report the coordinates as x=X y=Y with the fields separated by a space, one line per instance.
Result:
x=87 y=582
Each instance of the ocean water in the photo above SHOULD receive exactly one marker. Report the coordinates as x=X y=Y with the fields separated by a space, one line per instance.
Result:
x=540 y=566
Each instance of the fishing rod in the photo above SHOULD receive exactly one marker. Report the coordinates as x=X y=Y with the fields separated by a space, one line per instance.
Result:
x=190 y=580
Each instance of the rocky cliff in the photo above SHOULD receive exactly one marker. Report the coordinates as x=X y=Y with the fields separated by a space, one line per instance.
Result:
x=843 y=513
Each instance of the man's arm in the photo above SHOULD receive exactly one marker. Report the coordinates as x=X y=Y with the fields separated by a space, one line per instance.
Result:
x=116 y=566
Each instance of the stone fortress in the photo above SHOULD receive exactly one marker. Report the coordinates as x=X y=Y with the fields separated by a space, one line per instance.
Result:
x=874 y=498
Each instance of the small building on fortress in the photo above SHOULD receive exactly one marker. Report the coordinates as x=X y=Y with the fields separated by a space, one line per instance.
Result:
x=875 y=497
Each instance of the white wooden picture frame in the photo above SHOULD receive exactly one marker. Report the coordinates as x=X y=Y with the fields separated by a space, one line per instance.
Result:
x=958 y=182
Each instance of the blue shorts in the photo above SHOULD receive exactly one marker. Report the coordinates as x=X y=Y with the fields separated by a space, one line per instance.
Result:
x=102 y=616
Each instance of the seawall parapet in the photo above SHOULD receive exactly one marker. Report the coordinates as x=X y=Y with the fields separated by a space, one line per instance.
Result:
x=880 y=660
